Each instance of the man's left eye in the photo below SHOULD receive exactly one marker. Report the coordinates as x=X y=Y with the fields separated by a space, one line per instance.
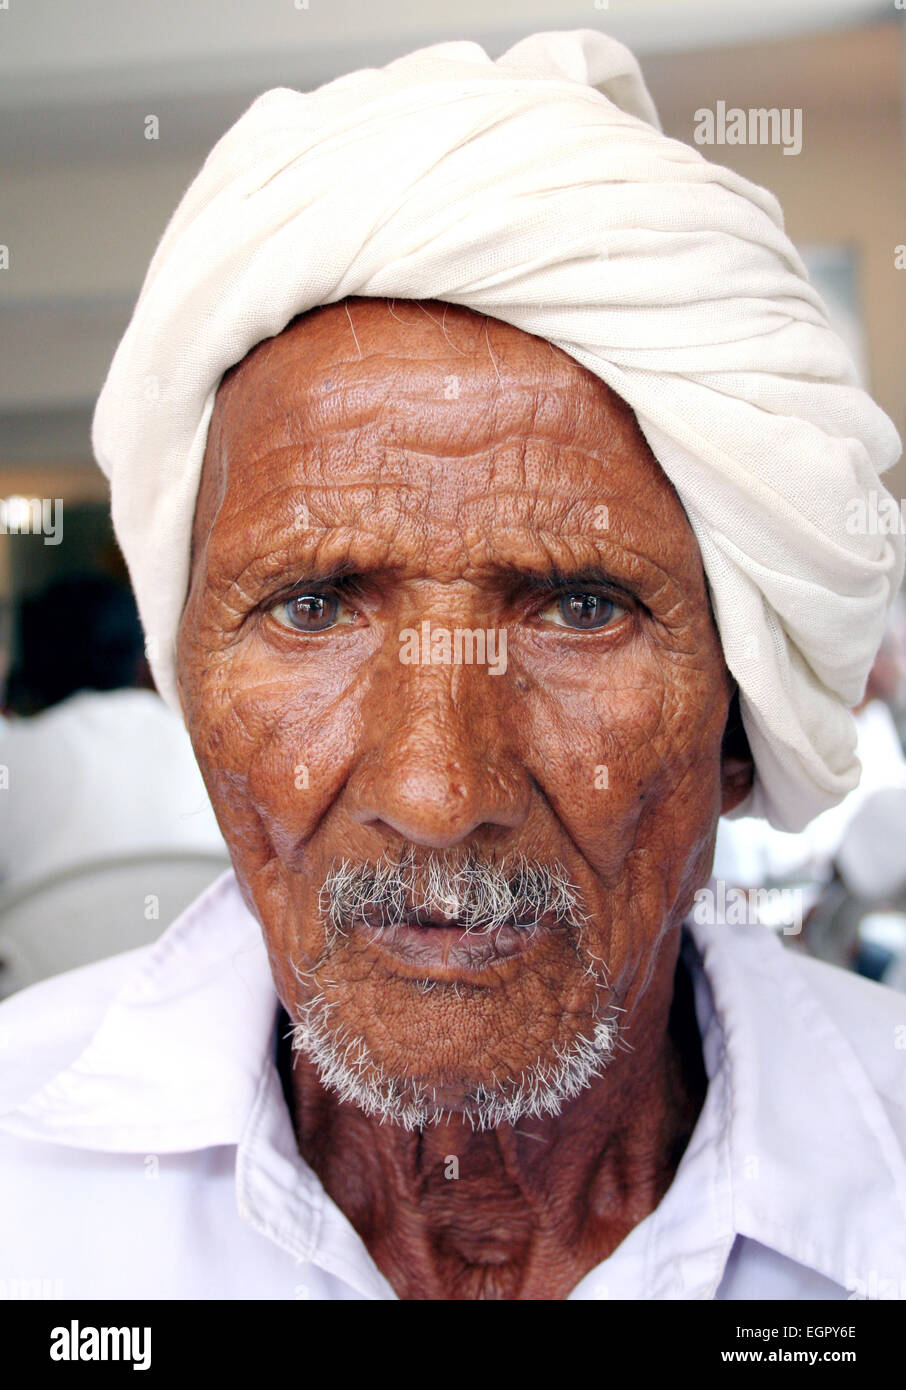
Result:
x=312 y=612
x=582 y=612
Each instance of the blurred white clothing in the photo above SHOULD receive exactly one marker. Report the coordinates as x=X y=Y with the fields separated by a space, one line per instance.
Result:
x=751 y=853
x=101 y=774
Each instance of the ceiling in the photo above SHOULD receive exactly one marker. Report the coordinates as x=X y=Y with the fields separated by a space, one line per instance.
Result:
x=83 y=198
x=71 y=74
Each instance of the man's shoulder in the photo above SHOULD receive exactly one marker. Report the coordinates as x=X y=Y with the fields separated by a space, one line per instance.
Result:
x=44 y=1027
x=872 y=1019
x=831 y=1041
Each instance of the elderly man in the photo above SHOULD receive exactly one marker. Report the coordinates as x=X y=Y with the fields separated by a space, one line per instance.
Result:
x=480 y=457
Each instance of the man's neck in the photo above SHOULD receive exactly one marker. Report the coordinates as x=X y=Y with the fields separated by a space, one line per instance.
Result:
x=515 y=1212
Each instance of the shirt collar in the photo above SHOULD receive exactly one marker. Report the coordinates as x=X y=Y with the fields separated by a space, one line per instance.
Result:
x=816 y=1171
x=184 y=1060
x=176 y=1062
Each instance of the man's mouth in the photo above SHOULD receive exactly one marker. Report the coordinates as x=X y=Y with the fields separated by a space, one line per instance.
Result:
x=445 y=947
x=472 y=919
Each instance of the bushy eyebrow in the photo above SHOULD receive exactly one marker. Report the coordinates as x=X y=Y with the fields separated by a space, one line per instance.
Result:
x=532 y=579
x=555 y=579
x=327 y=573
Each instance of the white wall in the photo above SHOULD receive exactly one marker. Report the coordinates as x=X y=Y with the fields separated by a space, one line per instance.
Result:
x=85 y=196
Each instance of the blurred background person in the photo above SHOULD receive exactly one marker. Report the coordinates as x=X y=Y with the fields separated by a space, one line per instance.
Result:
x=102 y=795
x=849 y=863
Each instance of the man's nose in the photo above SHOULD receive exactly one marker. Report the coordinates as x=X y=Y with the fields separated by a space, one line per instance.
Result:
x=439 y=769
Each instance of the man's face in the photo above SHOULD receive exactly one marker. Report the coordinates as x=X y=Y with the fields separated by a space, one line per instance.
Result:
x=371 y=485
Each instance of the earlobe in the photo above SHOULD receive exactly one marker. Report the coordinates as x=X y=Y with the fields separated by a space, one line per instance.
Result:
x=737 y=768
x=737 y=776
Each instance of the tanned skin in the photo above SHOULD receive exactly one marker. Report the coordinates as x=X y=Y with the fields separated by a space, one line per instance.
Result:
x=395 y=462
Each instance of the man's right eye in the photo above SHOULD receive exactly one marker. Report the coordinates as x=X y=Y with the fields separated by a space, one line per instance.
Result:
x=313 y=612
x=583 y=612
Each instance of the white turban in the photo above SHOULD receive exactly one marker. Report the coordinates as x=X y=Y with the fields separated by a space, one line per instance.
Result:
x=539 y=189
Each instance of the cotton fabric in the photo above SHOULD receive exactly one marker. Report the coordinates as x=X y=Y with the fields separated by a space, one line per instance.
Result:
x=540 y=190
x=145 y=1135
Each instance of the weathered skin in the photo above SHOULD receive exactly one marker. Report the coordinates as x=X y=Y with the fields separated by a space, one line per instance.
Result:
x=438 y=465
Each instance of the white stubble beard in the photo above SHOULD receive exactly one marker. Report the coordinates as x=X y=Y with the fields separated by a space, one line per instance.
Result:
x=347 y=1068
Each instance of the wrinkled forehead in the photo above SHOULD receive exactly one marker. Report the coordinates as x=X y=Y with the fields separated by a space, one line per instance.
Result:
x=438 y=394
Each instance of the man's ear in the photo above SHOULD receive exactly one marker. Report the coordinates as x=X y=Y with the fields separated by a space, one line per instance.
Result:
x=737 y=768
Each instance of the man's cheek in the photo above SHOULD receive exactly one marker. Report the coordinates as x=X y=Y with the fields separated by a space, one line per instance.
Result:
x=597 y=758
x=299 y=768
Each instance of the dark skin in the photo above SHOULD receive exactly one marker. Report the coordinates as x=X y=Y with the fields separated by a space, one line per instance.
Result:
x=454 y=469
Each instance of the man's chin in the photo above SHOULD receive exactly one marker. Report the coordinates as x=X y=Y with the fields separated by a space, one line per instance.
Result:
x=483 y=1093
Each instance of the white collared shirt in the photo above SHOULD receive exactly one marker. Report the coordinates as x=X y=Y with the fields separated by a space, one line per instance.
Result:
x=146 y=1148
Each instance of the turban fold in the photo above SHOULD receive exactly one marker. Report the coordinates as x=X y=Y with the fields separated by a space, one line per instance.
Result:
x=540 y=190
